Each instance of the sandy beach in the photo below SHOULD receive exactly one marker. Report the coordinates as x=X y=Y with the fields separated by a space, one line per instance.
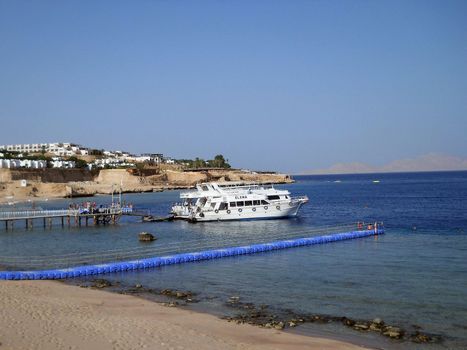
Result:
x=52 y=315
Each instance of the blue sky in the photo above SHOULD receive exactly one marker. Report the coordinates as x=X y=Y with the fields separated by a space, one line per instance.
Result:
x=283 y=85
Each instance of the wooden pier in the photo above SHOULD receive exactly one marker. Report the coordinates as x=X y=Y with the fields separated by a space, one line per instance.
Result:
x=69 y=217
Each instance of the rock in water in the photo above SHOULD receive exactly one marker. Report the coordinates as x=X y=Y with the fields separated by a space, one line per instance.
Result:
x=377 y=324
x=101 y=283
x=361 y=326
x=419 y=337
x=348 y=322
x=378 y=321
x=146 y=237
x=279 y=325
x=393 y=332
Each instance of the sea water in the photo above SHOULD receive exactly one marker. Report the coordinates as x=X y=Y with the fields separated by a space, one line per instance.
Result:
x=415 y=274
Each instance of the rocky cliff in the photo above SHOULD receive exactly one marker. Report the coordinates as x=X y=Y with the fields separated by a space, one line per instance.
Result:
x=57 y=183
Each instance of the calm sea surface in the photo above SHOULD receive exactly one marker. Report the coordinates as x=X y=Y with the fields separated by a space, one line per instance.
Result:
x=415 y=274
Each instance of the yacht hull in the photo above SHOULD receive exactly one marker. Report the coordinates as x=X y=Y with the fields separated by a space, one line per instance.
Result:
x=247 y=213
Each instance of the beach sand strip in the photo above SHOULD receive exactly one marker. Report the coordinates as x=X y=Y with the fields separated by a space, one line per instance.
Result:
x=52 y=315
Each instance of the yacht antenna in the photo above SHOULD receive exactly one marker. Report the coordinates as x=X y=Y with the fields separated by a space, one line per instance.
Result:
x=120 y=195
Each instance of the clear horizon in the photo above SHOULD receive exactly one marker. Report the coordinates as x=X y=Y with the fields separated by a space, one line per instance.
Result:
x=270 y=85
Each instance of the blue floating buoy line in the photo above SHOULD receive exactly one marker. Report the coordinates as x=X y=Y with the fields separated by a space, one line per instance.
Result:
x=147 y=263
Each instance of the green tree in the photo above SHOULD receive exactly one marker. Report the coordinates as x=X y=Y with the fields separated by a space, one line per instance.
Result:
x=79 y=163
x=199 y=163
x=219 y=162
x=96 y=152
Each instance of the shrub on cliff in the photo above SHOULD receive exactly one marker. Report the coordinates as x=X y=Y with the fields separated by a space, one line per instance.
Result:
x=79 y=163
x=218 y=162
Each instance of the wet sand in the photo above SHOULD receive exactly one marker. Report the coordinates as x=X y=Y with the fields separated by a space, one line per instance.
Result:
x=53 y=315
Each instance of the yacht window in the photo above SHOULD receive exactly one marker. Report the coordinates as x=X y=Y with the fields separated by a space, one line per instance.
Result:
x=263 y=202
x=248 y=203
x=286 y=197
x=273 y=198
x=239 y=204
x=233 y=204
x=205 y=188
x=223 y=206
x=256 y=202
x=213 y=205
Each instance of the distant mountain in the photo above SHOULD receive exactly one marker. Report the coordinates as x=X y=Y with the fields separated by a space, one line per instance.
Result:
x=427 y=162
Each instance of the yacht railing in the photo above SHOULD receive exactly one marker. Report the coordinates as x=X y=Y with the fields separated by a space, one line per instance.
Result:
x=188 y=192
x=246 y=187
x=227 y=189
x=299 y=198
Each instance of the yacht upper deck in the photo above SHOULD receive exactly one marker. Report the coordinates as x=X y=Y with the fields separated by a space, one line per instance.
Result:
x=214 y=189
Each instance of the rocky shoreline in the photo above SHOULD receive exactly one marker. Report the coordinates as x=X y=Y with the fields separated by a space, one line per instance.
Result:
x=18 y=185
x=265 y=316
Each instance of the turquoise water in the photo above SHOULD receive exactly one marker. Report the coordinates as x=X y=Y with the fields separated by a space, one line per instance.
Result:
x=414 y=274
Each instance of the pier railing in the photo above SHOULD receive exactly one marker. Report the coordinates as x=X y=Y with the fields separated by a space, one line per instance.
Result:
x=32 y=214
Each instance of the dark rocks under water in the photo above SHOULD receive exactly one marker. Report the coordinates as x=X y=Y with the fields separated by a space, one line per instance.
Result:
x=98 y=283
x=185 y=296
x=263 y=317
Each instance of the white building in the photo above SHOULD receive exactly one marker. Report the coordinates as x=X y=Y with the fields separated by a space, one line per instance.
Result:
x=141 y=159
x=66 y=149
x=63 y=164
x=22 y=163
x=109 y=154
x=57 y=148
x=109 y=162
x=34 y=164
x=155 y=158
x=9 y=163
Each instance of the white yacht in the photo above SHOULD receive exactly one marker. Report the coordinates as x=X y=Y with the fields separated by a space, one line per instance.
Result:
x=226 y=201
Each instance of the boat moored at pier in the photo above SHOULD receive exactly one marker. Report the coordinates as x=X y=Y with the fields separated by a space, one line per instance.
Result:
x=226 y=201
